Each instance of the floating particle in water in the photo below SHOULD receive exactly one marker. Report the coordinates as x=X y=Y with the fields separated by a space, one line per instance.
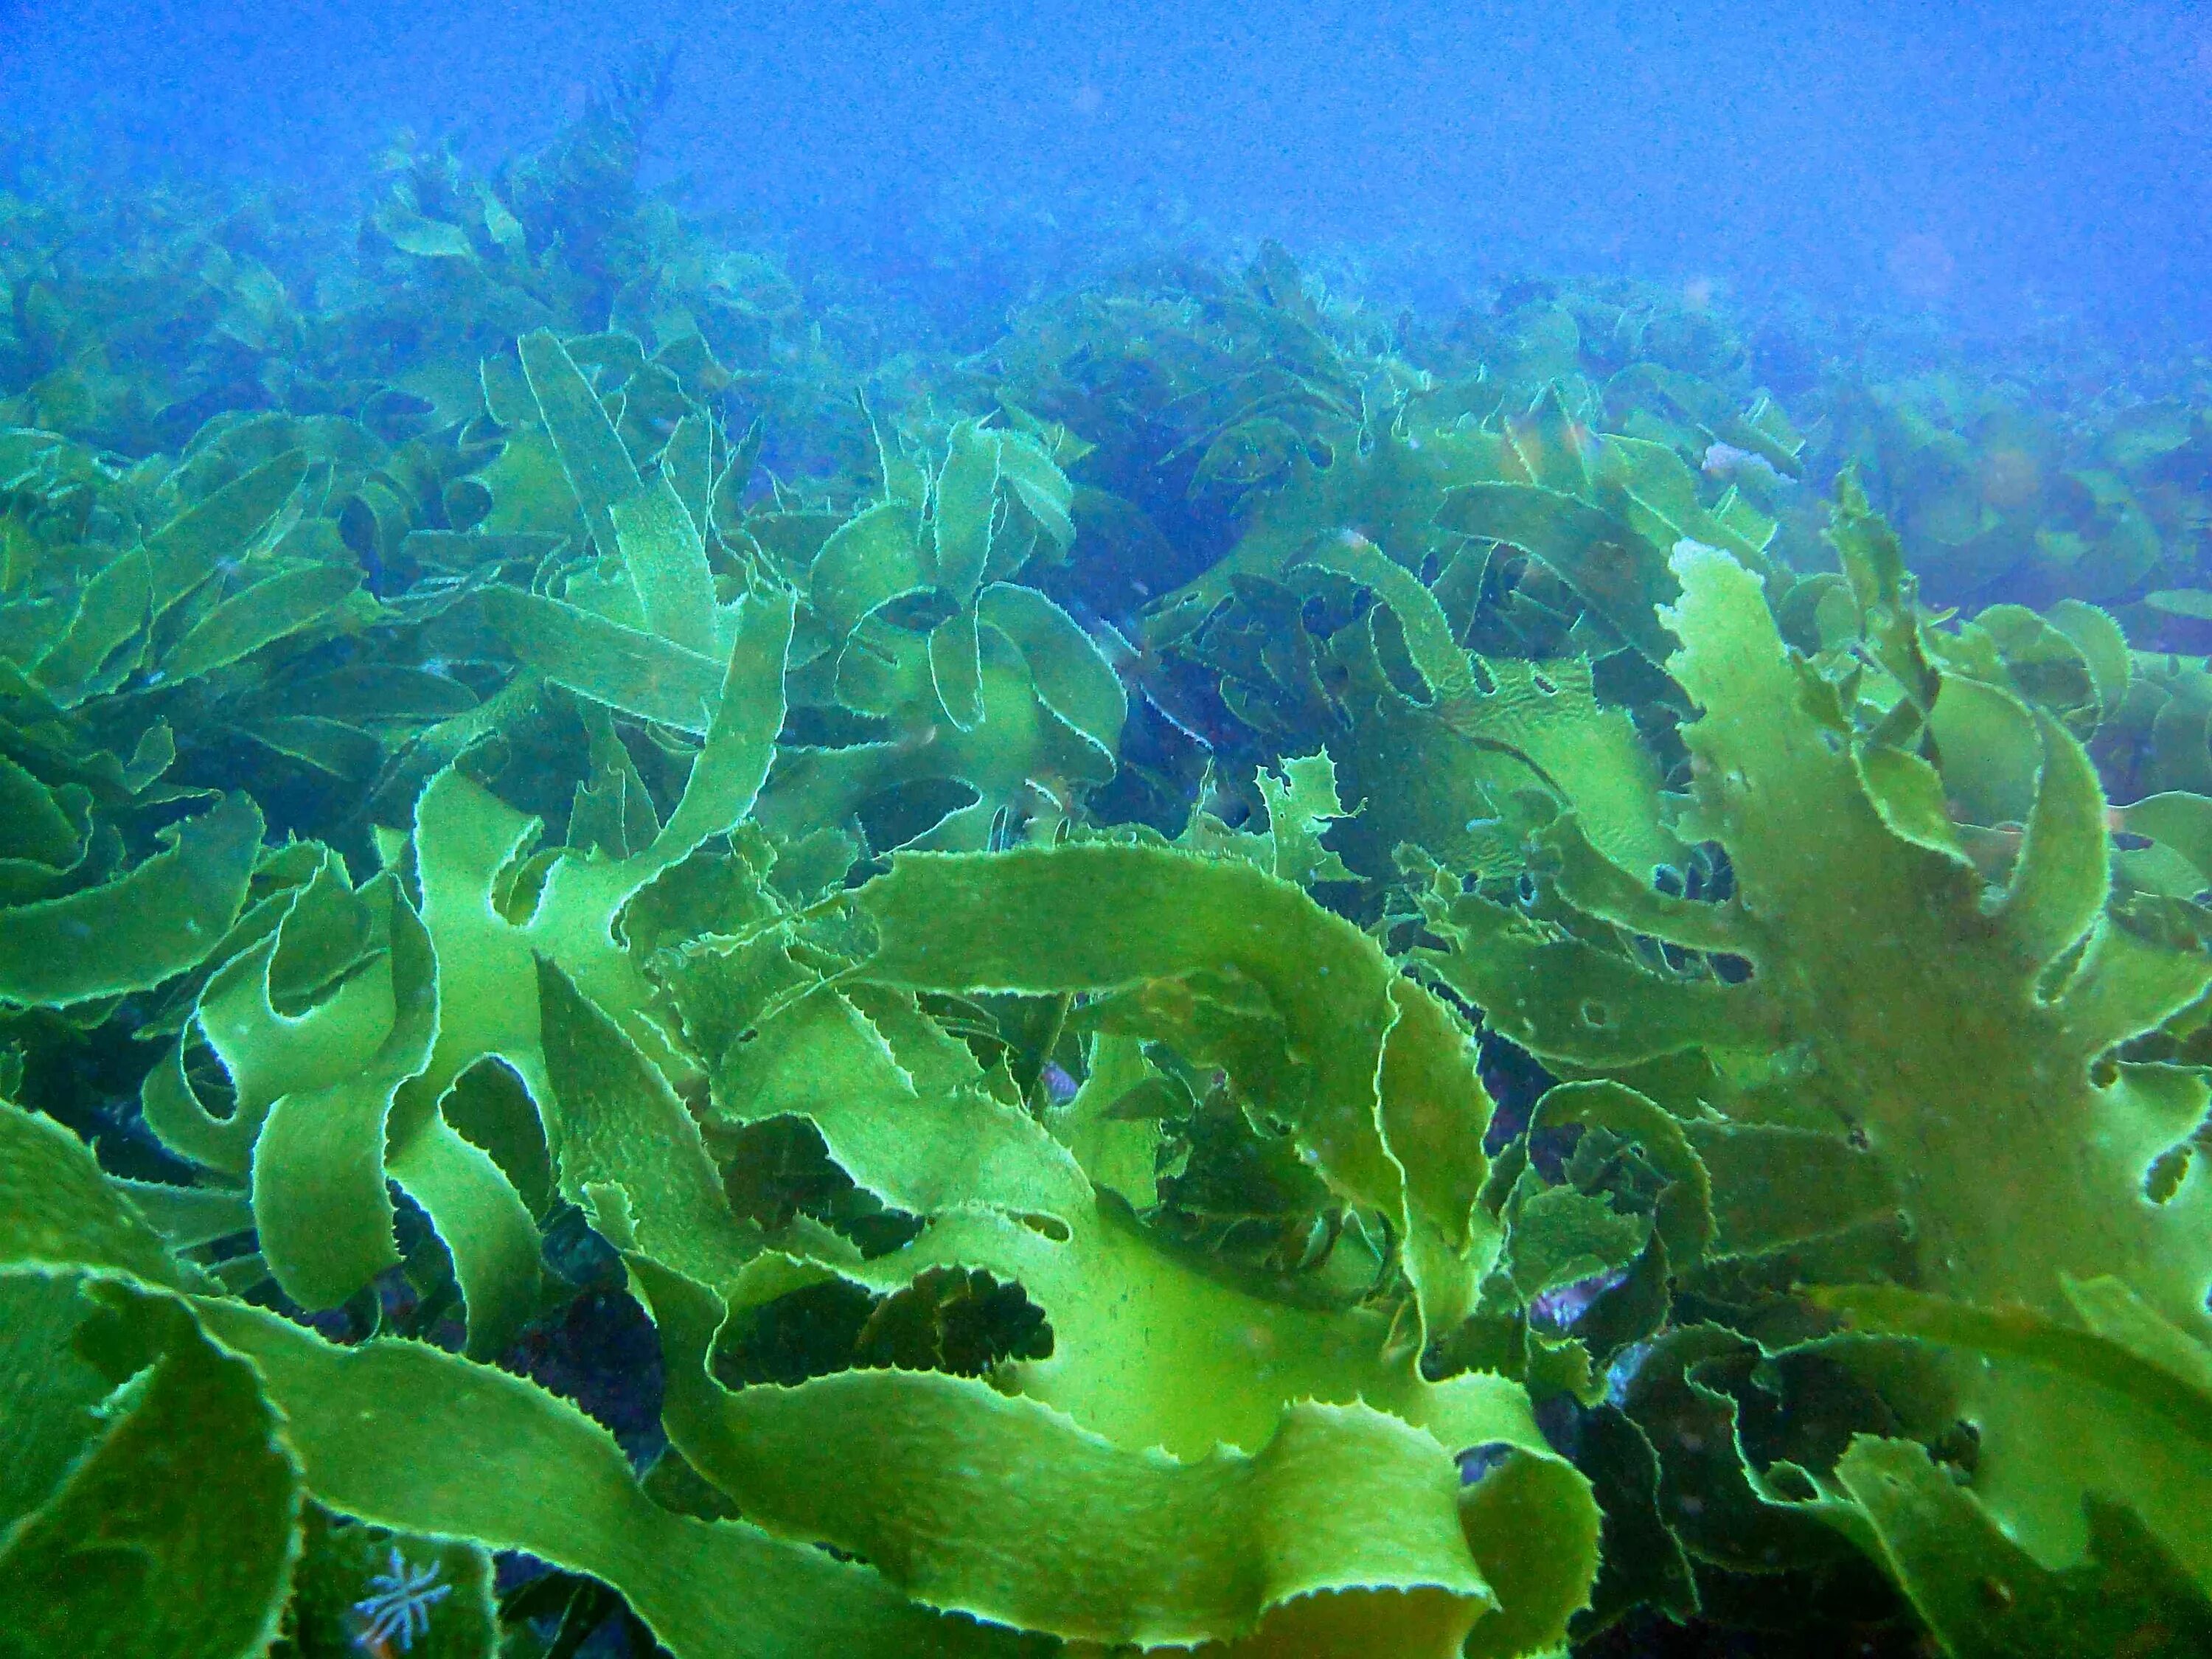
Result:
x=1923 y=266
x=1726 y=463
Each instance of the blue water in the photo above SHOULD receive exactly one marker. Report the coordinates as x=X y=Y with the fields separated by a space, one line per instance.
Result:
x=1999 y=164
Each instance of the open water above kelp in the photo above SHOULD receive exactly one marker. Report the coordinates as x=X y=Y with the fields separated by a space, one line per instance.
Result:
x=994 y=876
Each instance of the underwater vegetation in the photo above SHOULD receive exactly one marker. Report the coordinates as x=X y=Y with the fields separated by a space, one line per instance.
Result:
x=1234 y=975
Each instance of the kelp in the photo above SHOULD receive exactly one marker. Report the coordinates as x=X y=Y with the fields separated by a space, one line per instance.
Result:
x=2031 y=492
x=1003 y=694
x=1970 y=1034
x=613 y=1120
x=998 y=936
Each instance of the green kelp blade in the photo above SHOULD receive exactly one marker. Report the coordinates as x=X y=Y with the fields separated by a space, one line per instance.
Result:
x=268 y=610
x=1096 y=918
x=490 y=979
x=464 y=838
x=1041 y=487
x=173 y=1536
x=377 y=691
x=319 y=1177
x=1774 y=1186
x=1683 y=1215
x=956 y=667
x=2177 y=820
x=1152 y=1351
x=2178 y=1398
x=2103 y=647
x=873 y=557
x=2023 y=1159
x=616 y=1124
x=687 y=462
x=425 y=238
x=156 y=920
x=1594 y=884
x=626 y=668
x=56 y=1208
x=904 y=479
x=1302 y=803
x=54 y=1391
x=2066 y=1413
x=153 y=753
x=185 y=552
x=1656 y=495
x=484 y=1221
x=667 y=563
x=1538 y=721
x=267 y=1054
x=113 y=608
x=138 y=588
x=1435 y=654
x=1072 y=678
x=345 y=752
x=1563 y=999
x=1021 y=757
x=967 y=503
x=40 y=825
x=746 y=714
x=403 y=1435
x=2064 y=874
x=599 y=466
x=187 y=1216
x=1614 y=570
x=1985 y=1597
x=1090 y=917
x=1532 y=1526
x=1431 y=1100
x=883 y=670
x=919 y=1148
x=1110 y=1127
x=1000 y=1507
x=1550 y=446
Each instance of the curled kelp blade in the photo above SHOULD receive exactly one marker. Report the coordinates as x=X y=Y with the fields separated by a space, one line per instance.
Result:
x=1341 y=1503
x=392 y=1433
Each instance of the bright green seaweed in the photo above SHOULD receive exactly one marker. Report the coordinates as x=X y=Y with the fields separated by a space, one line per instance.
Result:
x=1016 y=1034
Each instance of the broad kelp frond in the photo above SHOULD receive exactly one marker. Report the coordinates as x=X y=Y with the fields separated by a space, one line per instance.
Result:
x=1963 y=1037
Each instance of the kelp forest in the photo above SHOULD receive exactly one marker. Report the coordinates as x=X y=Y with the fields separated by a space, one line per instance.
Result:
x=695 y=962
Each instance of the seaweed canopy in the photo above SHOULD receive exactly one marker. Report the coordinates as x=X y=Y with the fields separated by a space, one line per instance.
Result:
x=1039 y=1235
x=1307 y=1500
x=976 y=680
x=1865 y=985
x=601 y=1037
